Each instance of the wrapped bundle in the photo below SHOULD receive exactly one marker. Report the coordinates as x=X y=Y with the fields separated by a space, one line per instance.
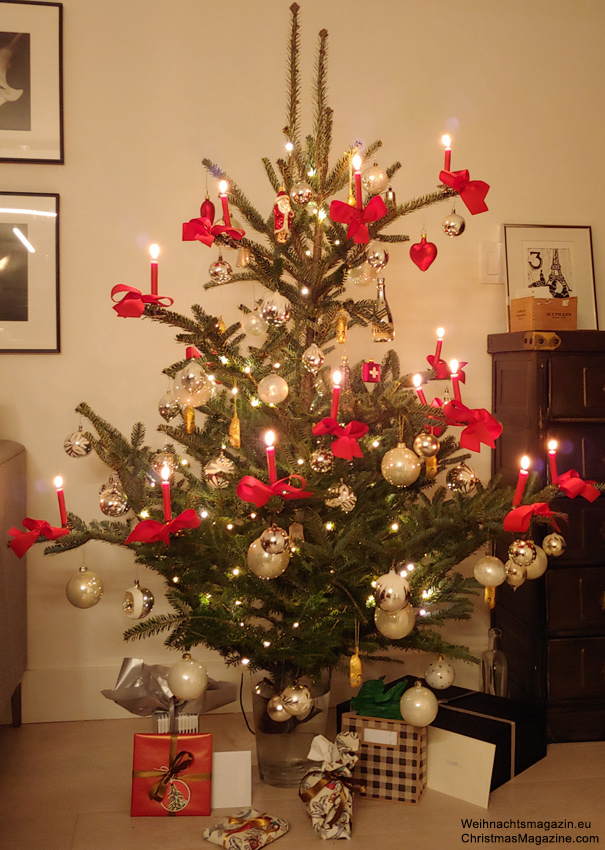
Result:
x=246 y=830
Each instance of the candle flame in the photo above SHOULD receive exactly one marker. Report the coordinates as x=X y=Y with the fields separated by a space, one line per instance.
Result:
x=336 y=377
x=58 y=482
x=440 y=333
x=552 y=445
x=417 y=380
x=357 y=160
x=446 y=141
x=269 y=438
x=223 y=186
x=154 y=250
x=525 y=463
x=454 y=367
x=165 y=473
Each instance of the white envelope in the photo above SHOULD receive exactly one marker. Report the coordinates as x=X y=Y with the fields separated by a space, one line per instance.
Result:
x=460 y=766
x=232 y=780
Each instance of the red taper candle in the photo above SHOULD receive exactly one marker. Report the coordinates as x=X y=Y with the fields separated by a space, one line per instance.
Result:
x=447 y=164
x=455 y=379
x=357 y=176
x=552 y=461
x=336 y=379
x=222 y=187
x=166 y=492
x=521 y=481
x=270 y=452
x=154 y=250
x=61 y=500
x=417 y=379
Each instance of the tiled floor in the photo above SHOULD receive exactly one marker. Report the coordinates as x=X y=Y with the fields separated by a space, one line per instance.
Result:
x=66 y=786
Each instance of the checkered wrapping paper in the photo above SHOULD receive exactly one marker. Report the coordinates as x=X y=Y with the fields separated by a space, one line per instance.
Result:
x=393 y=771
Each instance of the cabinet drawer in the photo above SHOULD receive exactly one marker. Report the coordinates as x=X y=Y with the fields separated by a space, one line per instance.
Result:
x=576 y=386
x=576 y=668
x=584 y=532
x=576 y=599
x=581 y=447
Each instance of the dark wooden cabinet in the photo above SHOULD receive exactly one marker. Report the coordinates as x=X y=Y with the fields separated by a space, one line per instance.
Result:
x=552 y=386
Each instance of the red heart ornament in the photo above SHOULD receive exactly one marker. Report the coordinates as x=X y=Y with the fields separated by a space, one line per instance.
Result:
x=423 y=253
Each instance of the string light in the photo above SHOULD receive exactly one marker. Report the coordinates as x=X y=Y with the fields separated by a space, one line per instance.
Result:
x=254 y=402
x=144 y=514
x=245 y=661
x=300 y=461
x=422 y=612
x=184 y=462
x=394 y=526
x=235 y=571
x=375 y=444
x=252 y=515
x=175 y=579
x=329 y=526
x=311 y=172
x=266 y=643
x=234 y=391
x=247 y=369
x=229 y=526
x=295 y=625
x=238 y=601
x=224 y=360
x=374 y=583
x=304 y=290
x=204 y=514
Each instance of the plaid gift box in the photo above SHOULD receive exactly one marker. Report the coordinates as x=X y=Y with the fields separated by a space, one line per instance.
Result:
x=392 y=757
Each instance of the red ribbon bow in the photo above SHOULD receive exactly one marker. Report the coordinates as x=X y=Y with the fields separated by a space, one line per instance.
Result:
x=519 y=518
x=443 y=371
x=133 y=302
x=345 y=445
x=572 y=485
x=250 y=489
x=481 y=425
x=358 y=219
x=152 y=531
x=203 y=230
x=472 y=192
x=24 y=539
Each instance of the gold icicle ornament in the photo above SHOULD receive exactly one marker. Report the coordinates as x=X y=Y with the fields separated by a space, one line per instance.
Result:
x=222 y=327
x=355 y=671
x=341 y=326
x=489 y=597
x=189 y=419
x=430 y=464
x=235 y=432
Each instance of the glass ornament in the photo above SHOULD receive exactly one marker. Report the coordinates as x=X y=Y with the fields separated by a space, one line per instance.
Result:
x=439 y=674
x=426 y=445
x=187 y=678
x=77 y=444
x=194 y=397
x=461 y=479
x=453 y=224
x=84 y=589
x=169 y=406
x=522 y=552
x=377 y=256
x=400 y=466
x=138 y=601
x=254 y=324
x=515 y=574
x=166 y=457
x=277 y=710
x=554 y=544
x=392 y=591
x=192 y=377
x=362 y=275
x=276 y=310
x=273 y=389
x=112 y=499
x=490 y=571
x=220 y=271
x=274 y=540
x=341 y=496
x=383 y=326
x=494 y=667
x=265 y=565
x=418 y=705
x=301 y=193
x=313 y=359
x=374 y=180
x=297 y=700
x=321 y=460
x=218 y=470
x=395 y=624
x=538 y=566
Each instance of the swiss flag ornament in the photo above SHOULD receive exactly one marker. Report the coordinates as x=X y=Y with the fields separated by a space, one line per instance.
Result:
x=423 y=253
x=371 y=372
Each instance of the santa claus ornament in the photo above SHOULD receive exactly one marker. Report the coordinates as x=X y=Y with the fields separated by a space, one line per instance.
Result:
x=282 y=216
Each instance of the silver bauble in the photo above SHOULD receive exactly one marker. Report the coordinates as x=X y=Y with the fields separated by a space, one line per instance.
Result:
x=395 y=624
x=321 y=460
x=84 y=589
x=418 y=706
x=376 y=255
x=112 y=500
x=453 y=225
x=341 y=496
x=277 y=710
x=490 y=571
x=439 y=674
x=274 y=540
x=77 y=444
x=300 y=193
x=169 y=406
x=392 y=591
x=218 y=470
x=538 y=566
x=191 y=397
x=254 y=324
x=263 y=564
x=187 y=678
x=220 y=271
x=138 y=602
x=276 y=310
x=522 y=552
x=192 y=376
x=166 y=457
x=400 y=466
x=273 y=389
x=461 y=479
x=297 y=700
x=426 y=445
x=362 y=275
x=313 y=359
x=515 y=574
x=374 y=180
x=554 y=544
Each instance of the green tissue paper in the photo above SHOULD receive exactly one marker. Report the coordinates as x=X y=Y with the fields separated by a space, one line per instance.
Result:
x=374 y=701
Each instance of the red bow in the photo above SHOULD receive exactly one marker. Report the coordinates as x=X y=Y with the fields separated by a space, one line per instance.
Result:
x=442 y=370
x=520 y=518
x=345 y=445
x=191 y=352
x=152 y=531
x=202 y=229
x=481 y=425
x=472 y=192
x=358 y=219
x=250 y=489
x=24 y=539
x=133 y=302
x=572 y=485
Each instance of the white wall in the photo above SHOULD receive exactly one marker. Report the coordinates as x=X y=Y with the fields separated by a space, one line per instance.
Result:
x=150 y=88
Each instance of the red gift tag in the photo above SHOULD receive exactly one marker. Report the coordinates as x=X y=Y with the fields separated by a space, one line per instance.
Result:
x=371 y=372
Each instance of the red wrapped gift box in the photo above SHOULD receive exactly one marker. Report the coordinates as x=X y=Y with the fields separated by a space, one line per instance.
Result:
x=171 y=775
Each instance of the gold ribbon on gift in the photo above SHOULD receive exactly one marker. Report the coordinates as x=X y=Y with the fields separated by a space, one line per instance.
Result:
x=177 y=763
x=333 y=776
x=242 y=824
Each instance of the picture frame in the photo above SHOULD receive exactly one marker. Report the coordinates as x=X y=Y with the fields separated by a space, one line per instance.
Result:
x=31 y=81
x=29 y=273
x=550 y=260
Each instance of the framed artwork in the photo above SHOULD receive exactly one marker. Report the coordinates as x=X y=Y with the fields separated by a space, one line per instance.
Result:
x=31 y=82
x=29 y=273
x=550 y=261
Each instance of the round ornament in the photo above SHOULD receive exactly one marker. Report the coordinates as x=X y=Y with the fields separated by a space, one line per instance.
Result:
x=321 y=460
x=218 y=470
x=274 y=540
x=392 y=591
x=515 y=574
x=554 y=544
x=220 y=271
x=265 y=565
x=297 y=700
x=522 y=552
x=374 y=180
x=376 y=255
x=453 y=225
x=538 y=566
x=187 y=678
x=341 y=496
x=192 y=376
x=439 y=674
x=191 y=397
x=362 y=275
x=301 y=193
x=169 y=406
x=77 y=444
x=400 y=466
x=277 y=710
x=273 y=389
x=138 y=602
x=490 y=571
x=426 y=445
x=112 y=499
x=167 y=457
x=84 y=589
x=254 y=324
x=313 y=359
x=461 y=479
x=395 y=624
x=418 y=705
x=276 y=310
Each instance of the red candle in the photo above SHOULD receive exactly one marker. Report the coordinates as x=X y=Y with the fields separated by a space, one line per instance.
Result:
x=336 y=379
x=166 y=492
x=154 y=250
x=552 y=461
x=270 y=451
x=61 y=499
x=357 y=175
x=447 y=165
x=455 y=379
x=521 y=481
x=417 y=379
x=222 y=187
x=440 y=334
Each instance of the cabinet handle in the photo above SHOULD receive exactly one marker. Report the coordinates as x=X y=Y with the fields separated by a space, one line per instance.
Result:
x=602 y=599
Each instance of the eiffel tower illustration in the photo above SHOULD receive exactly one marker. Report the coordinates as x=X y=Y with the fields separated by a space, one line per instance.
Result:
x=557 y=285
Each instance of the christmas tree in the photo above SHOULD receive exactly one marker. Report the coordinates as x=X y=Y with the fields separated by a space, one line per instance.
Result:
x=298 y=518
